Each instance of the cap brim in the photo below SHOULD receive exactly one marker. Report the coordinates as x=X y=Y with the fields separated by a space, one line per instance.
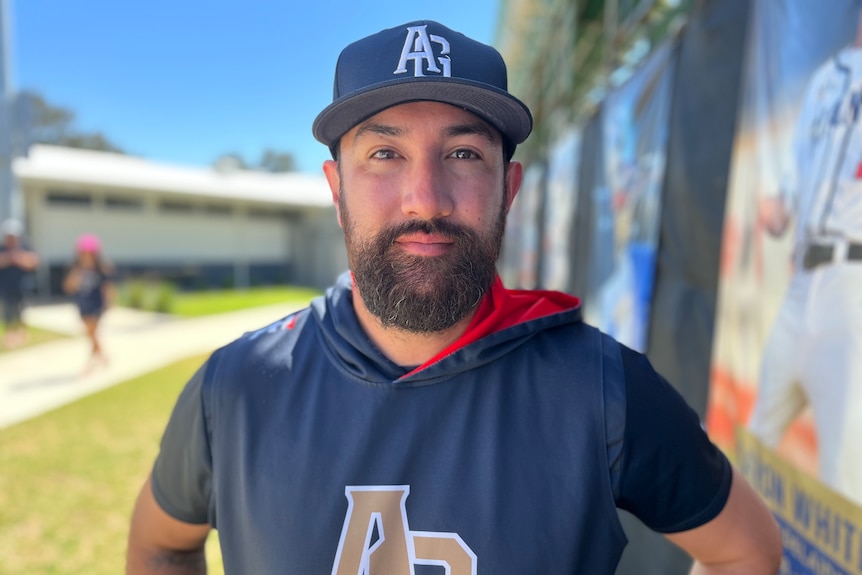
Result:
x=498 y=107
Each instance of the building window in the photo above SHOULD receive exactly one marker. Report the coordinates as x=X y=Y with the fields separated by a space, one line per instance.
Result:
x=69 y=199
x=123 y=203
x=269 y=214
x=218 y=209
x=175 y=207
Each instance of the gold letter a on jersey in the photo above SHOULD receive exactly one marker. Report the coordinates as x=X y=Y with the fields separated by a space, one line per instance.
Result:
x=375 y=539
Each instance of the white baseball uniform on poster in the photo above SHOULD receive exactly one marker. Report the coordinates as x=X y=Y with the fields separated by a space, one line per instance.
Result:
x=814 y=352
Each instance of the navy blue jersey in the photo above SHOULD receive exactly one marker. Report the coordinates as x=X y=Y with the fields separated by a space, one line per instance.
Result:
x=12 y=278
x=90 y=295
x=311 y=452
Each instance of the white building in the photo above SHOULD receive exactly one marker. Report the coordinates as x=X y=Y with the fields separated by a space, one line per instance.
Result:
x=197 y=227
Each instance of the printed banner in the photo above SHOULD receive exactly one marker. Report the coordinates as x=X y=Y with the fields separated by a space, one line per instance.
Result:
x=822 y=531
x=787 y=356
x=635 y=141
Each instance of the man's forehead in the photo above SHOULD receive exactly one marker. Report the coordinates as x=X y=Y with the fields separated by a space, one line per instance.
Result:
x=453 y=121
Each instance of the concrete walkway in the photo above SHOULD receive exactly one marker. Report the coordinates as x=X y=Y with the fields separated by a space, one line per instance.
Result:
x=41 y=377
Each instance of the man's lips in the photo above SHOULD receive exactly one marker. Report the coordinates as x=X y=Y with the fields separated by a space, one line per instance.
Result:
x=423 y=238
x=425 y=244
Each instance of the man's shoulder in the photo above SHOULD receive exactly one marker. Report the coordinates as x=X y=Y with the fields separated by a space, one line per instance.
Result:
x=284 y=330
x=252 y=364
x=281 y=334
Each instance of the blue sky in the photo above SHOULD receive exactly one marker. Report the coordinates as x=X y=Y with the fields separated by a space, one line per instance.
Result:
x=184 y=81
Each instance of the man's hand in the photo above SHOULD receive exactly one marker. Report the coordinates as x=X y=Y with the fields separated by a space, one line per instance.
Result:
x=160 y=544
x=773 y=215
x=743 y=539
x=23 y=259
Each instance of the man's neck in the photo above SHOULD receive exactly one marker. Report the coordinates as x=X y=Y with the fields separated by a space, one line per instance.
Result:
x=402 y=347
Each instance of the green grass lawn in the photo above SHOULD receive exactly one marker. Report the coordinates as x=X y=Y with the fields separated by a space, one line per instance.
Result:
x=163 y=297
x=195 y=304
x=69 y=478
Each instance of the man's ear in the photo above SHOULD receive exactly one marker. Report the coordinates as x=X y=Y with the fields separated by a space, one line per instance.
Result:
x=514 y=176
x=333 y=178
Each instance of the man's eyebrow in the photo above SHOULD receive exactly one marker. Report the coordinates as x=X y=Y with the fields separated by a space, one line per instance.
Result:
x=471 y=128
x=378 y=128
x=477 y=128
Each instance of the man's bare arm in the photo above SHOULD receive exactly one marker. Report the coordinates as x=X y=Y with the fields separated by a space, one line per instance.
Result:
x=743 y=539
x=160 y=544
x=28 y=260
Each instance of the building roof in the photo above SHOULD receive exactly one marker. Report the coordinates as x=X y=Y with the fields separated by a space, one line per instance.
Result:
x=76 y=168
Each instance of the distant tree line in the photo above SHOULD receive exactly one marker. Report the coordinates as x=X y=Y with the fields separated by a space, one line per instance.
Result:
x=55 y=125
x=272 y=161
x=51 y=124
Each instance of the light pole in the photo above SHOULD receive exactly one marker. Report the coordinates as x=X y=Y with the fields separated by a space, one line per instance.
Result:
x=6 y=178
x=10 y=202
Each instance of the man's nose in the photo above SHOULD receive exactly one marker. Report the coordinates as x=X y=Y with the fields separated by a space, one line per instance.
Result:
x=427 y=195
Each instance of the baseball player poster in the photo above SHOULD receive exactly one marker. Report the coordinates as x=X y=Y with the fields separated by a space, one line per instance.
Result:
x=636 y=117
x=786 y=384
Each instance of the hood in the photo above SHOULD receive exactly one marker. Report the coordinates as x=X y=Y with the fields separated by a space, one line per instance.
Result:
x=505 y=320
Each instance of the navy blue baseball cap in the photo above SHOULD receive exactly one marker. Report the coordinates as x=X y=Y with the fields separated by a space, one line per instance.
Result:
x=421 y=60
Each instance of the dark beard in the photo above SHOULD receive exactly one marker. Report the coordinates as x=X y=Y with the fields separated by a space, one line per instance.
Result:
x=423 y=294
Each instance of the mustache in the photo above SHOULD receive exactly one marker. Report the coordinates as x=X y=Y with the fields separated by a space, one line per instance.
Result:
x=450 y=230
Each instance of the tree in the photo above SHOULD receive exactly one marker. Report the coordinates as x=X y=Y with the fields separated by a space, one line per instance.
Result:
x=51 y=124
x=562 y=55
x=272 y=161
x=277 y=162
x=229 y=162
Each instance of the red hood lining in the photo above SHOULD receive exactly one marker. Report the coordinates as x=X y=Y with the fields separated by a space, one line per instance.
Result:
x=503 y=308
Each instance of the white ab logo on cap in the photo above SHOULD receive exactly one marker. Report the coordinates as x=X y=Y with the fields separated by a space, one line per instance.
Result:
x=420 y=40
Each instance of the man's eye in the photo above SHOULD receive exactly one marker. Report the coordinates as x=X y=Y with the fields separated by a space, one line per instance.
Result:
x=464 y=155
x=383 y=154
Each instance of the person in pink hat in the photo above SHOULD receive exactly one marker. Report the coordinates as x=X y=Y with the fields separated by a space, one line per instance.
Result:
x=90 y=282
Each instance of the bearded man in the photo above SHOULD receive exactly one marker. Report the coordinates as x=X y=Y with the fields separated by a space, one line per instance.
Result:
x=421 y=418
